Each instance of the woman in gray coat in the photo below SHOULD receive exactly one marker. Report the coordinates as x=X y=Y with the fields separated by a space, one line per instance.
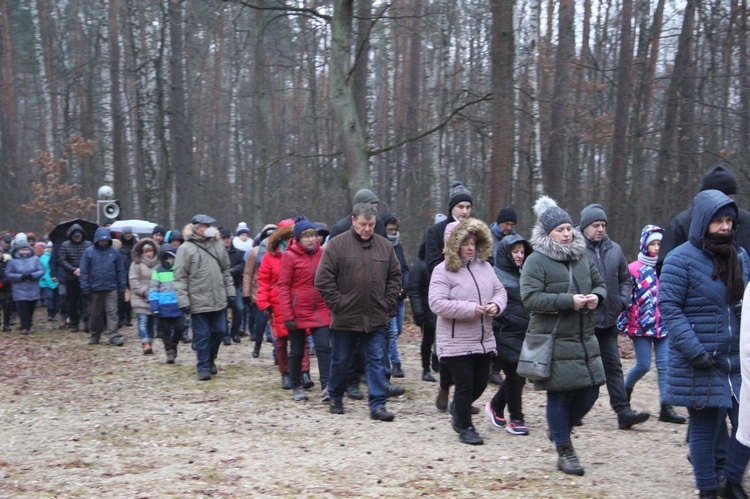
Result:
x=25 y=270
x=560 y=285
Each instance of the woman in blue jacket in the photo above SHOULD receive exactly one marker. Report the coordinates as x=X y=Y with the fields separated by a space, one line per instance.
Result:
x=25 y=271
x=702 y=283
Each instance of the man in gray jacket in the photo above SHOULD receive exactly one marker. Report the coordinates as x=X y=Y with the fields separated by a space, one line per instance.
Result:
x=612 y=265
x=204 y=289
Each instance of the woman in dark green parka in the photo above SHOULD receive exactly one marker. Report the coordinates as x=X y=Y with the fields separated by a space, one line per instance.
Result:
x=560 y=282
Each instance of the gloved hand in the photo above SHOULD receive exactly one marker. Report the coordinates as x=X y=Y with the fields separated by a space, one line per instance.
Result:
x=231 y=301
x=247 y=301
x=703 y=361
x=25 y=277
x=290 y=325
x=268 y=311
x=419 y=320
x=185 y=310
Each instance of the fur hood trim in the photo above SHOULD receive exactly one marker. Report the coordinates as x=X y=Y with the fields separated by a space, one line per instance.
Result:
x=137 y=252
x=279 y=235
x=188 y=233
x=469 y=226
x=544 y=244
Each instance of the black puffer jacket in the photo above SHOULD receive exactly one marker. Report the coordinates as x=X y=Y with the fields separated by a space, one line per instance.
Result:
x=510 y=326
x=418 y=291
x=71 y=253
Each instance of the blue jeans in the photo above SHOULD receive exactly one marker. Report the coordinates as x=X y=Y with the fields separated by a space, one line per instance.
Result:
x=51 y=301
x=146 y=325
x=343 y=344
x=395 y=327
x=566 y=408
x=642 y=347
x=705 y=427
x=238 y=312
x=208 y=330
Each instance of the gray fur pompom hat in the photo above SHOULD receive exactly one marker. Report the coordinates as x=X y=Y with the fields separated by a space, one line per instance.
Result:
x=549 y=214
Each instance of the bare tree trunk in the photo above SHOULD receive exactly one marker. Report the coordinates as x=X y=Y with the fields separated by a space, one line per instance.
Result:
x=673 y=180
x=180 y=169
x=263 y=115
x=343 y=103
x=556 y=158
x=119 y=155
x=503 y=50
x=9 y=154
x=618 y=177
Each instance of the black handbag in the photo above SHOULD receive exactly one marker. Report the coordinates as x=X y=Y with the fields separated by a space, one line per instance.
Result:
x=535 y=360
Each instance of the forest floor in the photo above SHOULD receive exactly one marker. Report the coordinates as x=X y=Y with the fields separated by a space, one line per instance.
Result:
x=101 y=421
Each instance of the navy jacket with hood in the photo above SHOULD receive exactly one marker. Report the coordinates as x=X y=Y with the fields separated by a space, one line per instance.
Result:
x=102 y=268
x=695 y=311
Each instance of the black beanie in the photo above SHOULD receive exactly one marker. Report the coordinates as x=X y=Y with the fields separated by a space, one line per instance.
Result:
x=506 y=214
x=458 y=194
x=720 y=178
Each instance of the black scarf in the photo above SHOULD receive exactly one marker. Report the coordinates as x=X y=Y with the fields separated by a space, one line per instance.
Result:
x=726 y=263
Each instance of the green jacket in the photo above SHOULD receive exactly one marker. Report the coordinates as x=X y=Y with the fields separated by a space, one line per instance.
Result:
x=201 y=274
x=547 y=293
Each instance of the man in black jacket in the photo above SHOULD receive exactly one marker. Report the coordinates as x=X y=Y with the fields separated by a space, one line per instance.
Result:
x=69 y=260
x=613 y=267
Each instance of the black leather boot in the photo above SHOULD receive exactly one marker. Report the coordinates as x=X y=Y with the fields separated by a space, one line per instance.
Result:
x=567 y=460
x=668 y=415
x=307 y=381
x=627 y=418
x=286 y=381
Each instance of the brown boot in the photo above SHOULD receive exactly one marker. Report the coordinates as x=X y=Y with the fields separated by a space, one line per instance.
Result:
x=147 y=350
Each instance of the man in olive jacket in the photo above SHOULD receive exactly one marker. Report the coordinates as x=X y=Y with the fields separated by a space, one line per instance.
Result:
x=613 y=267
x=204 y=289
x=359 y=278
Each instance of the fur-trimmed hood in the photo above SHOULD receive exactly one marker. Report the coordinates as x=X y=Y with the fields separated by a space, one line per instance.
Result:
x=279 y=235
x=544 y=244
x=188 y=234
x=137 y=253
x=462 y=230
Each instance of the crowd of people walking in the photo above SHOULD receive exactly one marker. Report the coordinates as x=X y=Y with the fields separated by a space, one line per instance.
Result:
x=477 y=292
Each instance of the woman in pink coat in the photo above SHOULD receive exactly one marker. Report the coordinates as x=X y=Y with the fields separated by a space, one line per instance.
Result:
x=465 y=294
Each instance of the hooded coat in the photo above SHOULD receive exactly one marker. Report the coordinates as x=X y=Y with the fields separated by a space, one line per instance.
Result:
x=71 y=252
x=698 y=318
x=268 y=277
x=512 y=323
x=547 y=293
x=252 y=263
x=201 y=274
x=456 y=289
x=419 y=287
x=102 y=267
x=139 y=275
x=25 y=273
x=642 y=317
x=299 y=300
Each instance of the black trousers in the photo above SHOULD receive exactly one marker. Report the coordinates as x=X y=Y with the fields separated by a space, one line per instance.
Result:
x=470 y=374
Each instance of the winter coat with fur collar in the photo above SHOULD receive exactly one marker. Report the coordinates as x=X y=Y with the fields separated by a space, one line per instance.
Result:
x=139 y=276
x=547 y=293
x=457 y=288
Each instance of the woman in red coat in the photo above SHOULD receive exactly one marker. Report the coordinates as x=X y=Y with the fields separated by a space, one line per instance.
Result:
x=302 y=306
x=268 y=297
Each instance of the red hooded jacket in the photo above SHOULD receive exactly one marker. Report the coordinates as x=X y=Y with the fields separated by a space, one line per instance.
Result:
x=268 y=276
x=300 y=301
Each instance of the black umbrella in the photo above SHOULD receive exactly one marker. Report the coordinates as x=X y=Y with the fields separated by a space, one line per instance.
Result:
x=60 y=232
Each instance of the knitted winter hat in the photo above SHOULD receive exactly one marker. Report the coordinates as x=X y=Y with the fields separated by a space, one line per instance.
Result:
x=365 y=196
x=458 y=194
x=242 y=229
x=301 y=225
x=506 y=214
x=728 y=210
x=224 y=232
x=592 y=213
x=654 y=236
x=549 y=214
x=720 y=178
x=159 y=229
